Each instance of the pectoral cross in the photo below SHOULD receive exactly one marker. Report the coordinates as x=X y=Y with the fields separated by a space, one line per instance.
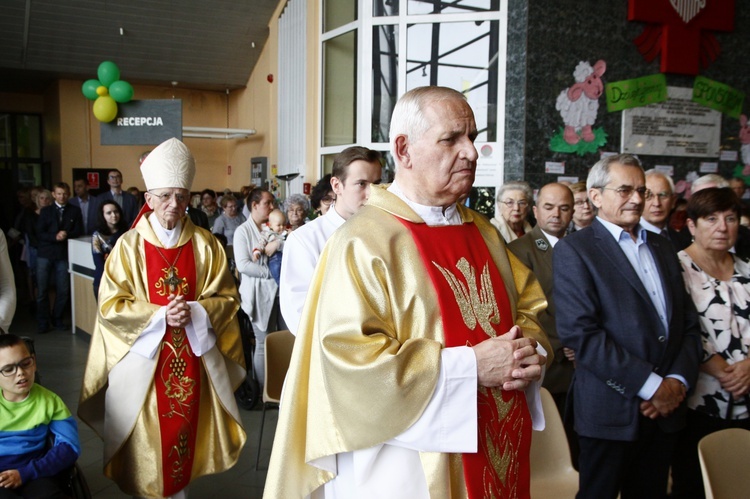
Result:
x=173 y=281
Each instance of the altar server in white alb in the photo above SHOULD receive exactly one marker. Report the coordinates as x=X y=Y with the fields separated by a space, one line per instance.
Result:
x=355 y=169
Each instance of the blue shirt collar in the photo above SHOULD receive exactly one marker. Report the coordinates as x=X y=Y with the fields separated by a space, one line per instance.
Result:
x=617 y=231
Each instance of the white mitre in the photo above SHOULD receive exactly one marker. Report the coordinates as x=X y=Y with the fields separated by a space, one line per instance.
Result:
x=170 y=165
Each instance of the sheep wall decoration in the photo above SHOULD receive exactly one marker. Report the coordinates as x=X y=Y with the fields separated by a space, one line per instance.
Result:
x=578 y=106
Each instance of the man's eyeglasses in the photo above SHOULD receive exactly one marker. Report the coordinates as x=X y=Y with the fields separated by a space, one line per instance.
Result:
x=512 y=202
x=327 y=200
x=11 y=369
x=164 y=197
x=663 y=196
x=627 y=191
x=581 y=202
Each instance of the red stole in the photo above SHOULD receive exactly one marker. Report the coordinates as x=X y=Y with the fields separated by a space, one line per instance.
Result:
x=177 y=380
x=474 y=306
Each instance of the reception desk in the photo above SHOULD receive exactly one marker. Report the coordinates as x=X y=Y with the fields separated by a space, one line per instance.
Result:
x=81 y=268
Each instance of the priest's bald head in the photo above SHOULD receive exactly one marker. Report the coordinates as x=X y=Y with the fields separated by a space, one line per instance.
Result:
x=168 y=172
x=432 y=140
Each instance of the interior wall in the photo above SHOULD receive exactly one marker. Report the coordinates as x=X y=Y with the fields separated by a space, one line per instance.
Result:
x=547 y=39
x=255 y=107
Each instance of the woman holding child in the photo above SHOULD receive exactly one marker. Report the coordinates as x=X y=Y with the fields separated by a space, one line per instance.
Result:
x=258 y=289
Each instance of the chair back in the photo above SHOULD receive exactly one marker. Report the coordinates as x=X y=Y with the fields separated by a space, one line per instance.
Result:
x=724 y=457
x=552 y=472
x=279 y=346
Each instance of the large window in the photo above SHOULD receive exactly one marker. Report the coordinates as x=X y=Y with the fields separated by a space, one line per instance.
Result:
x=393 y=46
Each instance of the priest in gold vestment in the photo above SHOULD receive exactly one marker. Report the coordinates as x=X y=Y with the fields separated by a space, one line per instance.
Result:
x=166 y=354
x=418 y=338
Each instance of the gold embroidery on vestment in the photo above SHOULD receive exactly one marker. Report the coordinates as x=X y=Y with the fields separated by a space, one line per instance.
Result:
x=476 y=302
x=178 y=389
x=181 y=452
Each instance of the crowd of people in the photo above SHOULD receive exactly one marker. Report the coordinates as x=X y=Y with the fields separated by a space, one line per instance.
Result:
x=423 y=329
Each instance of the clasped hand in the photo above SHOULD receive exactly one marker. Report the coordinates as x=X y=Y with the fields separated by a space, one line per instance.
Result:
x=510 y=361
x=178 y=311
x=736 y=379
x=668 y=397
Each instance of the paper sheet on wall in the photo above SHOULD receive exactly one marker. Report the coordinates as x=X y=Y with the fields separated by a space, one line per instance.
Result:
x=489 y=170
x=675 y=127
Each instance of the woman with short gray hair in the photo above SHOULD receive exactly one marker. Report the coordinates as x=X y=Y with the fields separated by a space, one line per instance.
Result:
x=513 y=203
x=296 y=207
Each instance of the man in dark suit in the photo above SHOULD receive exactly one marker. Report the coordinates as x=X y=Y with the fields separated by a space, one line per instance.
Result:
x=553 y=213
x=87 y=203
x=56 y=224
x=622 y=307
x=127 y=201
x=659 y=203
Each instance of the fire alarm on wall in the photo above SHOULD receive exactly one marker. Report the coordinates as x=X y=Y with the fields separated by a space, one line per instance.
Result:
x=269 y=78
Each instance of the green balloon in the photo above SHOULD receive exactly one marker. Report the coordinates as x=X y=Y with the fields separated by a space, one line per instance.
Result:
x=121 y=91
x=89 y=89
x=105 y=109
x=108 y=73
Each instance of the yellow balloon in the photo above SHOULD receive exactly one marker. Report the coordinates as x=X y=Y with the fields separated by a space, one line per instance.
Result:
x=105 y=109
x=102 y=91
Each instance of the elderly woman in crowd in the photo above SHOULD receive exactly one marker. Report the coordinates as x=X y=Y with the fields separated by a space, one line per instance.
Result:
x=719 y=283
x=258 y=289
x=512 y=207
x=583 y=212
x=230 y=218
x=296 y=207
x=322 y=196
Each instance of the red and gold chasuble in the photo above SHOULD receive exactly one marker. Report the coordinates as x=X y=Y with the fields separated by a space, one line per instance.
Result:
x=474 y=306
x=177 y=380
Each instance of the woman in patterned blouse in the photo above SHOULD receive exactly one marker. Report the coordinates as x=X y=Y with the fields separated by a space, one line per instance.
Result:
x=719 y=283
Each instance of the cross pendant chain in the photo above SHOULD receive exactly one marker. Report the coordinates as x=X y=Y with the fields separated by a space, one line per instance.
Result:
x=171 y=279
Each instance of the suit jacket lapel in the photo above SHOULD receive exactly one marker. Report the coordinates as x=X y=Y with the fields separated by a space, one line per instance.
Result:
x=611 y=250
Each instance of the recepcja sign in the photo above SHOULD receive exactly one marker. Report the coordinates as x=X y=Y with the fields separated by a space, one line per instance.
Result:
x=144 y=122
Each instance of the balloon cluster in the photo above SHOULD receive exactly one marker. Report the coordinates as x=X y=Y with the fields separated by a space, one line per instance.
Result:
x=107 y=91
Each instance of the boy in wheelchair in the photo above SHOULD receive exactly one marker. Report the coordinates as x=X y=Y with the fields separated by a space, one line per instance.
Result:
x=30 y=418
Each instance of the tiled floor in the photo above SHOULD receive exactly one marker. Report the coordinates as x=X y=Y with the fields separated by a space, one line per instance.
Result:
x=61 y=359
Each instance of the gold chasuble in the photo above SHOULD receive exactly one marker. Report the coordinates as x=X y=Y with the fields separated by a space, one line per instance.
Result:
x=474 y=306
x=184 y=422
x=366 y=360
